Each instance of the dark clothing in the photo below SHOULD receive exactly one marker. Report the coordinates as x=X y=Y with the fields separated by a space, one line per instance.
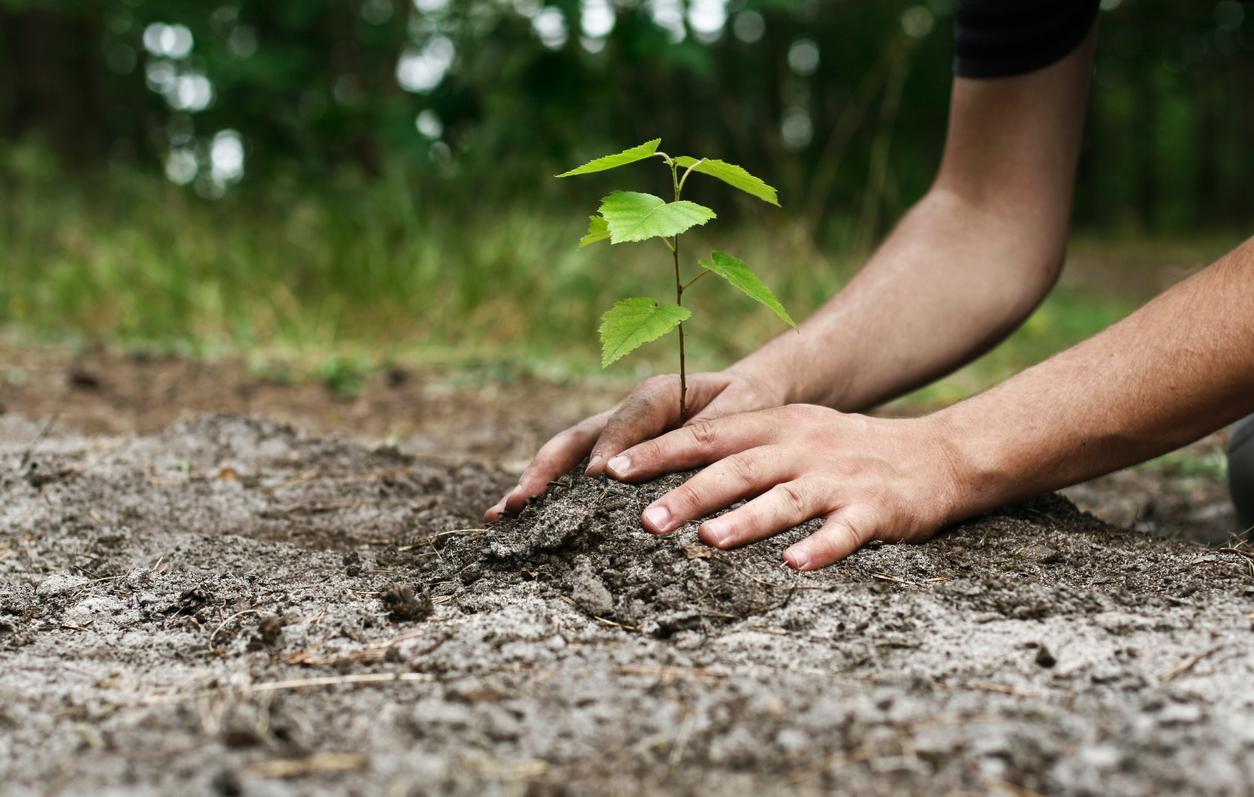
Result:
x=1241 y=471
x=999 y=38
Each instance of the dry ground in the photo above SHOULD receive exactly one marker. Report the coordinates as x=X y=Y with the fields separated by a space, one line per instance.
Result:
x=203 y=603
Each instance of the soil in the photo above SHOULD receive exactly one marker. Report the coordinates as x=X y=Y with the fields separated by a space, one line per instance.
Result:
x=486 y=414
x=220 y=604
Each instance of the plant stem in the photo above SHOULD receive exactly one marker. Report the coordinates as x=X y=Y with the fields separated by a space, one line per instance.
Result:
x=683 y=377
x=679 y=300
x=690 y=282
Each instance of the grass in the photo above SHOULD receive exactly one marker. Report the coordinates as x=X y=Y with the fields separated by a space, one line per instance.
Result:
x=361 y=275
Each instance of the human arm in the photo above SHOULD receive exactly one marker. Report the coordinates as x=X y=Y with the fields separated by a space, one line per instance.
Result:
x=964 y=267
x=967 y=264
x=1178 y=368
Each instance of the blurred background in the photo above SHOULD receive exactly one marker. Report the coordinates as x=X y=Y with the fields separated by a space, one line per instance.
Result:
x=350 y=184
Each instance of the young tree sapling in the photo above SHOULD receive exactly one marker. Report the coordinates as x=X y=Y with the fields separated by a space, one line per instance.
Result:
x=631 y=216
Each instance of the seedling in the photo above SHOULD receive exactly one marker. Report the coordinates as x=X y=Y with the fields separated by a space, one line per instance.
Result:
x=631 y=216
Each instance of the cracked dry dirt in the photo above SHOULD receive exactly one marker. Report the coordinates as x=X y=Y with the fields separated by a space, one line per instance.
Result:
x=229 y=607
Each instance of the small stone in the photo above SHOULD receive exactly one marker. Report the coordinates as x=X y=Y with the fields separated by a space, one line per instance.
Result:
x=402 y=604
x=590 y=595
x=1044 y=658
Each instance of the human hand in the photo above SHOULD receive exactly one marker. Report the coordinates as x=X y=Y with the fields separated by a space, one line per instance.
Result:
x=870 y=478
x=651 y=409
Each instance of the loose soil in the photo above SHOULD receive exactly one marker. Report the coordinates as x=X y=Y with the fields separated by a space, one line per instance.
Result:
x=227 y=605
x=494 y=418
x=223 y=605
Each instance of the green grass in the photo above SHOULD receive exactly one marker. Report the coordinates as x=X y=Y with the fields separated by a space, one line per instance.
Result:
x=361 y=274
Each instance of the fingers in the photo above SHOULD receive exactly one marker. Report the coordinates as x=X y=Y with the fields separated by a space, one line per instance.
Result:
x=725 y=482
x=784 y=506
x=652 y=408
x=845 y=531
x=693 y=445
x=557 y=456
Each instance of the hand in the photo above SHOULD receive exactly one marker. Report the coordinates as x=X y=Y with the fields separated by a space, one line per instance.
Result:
x=870 y=478
x=651 y=409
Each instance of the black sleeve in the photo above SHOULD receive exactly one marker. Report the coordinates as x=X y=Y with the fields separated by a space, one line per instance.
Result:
x=998 y=38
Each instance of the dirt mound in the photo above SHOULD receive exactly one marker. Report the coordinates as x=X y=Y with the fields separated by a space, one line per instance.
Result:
x=232 y=607
x=583 y=542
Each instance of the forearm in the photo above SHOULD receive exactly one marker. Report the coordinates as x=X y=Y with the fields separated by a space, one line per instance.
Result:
x=953 y=279
x=970 y=260
x=1179 y=368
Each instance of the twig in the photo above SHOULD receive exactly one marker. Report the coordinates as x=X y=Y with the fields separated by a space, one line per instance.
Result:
x=887 y=577
x=1001 y=689
x=1248 y=556
x=223 y=624
x=309 y=765
x=337 y=680
x=1188 y=664
x=296 y=683
x=602 y=620
x=662 y=671
x=612 y=624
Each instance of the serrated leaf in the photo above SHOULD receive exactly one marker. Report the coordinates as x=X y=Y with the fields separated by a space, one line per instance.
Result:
x=631 y=323
x=737 y=273
x=623 y=158
x=733 y=175
x=597 y=231
x=633 y=216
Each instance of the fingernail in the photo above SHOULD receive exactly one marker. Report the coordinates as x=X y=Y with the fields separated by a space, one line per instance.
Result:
x=593 y=462
x=798 y=558
x=717 y=532
x=657 y=517
x=619 y=465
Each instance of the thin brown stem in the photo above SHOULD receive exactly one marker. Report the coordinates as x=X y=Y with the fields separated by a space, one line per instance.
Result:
x=679 y=300
x=693 y=281
x=683 y=376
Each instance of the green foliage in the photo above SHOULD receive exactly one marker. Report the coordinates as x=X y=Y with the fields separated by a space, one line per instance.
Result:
x=630 y=216
x=737 y=273
x=604 y=163
x=633 y=216
x=631 y=323
x=315 y=91
x=272 y=372
x=293 y=276
x=733 y=175
x=597 y=231
x=344 y=377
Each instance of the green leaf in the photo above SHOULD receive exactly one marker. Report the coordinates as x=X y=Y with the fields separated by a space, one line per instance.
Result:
x=733 y=175
x=633 y=216
x=597 y=231
x=631 y=323
x=737 y=273
x=623 y=158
